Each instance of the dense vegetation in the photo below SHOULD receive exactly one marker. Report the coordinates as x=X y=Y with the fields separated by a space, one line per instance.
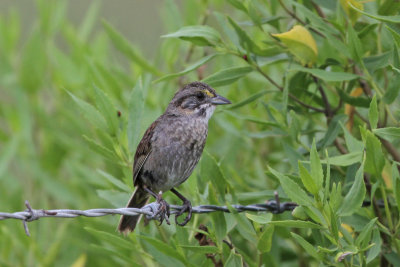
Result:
x=315 y=116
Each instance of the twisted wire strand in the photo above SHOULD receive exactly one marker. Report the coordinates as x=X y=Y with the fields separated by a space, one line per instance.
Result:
x=150 y=211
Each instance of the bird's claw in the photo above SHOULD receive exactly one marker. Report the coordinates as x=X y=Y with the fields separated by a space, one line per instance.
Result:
x=163 y=211
x=187 y=206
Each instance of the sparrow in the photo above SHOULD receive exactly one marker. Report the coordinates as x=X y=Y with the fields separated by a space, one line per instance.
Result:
x=169 y=151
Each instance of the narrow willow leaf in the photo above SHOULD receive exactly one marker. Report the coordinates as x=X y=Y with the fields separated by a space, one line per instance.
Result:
x=248 y=100
x=246 y=42
x=376 y=249
x=202 y=249
x=107 y=109
x=192 y=67
x=210 y=171
x=353 y=145
x=373 y=113
x=375 y=159
x=390 y=19
x=136 y=108
x=163 y=247
x=265 y=242
x=296 y=224
x=396 y=184
x=105 y=152
x=115 y=181
x=328 y=76
x=125 y=47
x=261 y=219
x=200 y=35
x=392 y=134
x=355 y=197
x=234 y=260
x=354 y=43
x=227 y=76
x=345 y=160
x=90 y=113
x=292 y=189
x=310 y=249
x=365 y=232
x=114 y=239
x=308 y=180
x=316 y=168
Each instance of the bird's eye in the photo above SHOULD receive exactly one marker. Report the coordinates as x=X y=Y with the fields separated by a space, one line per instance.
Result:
x=200 y=96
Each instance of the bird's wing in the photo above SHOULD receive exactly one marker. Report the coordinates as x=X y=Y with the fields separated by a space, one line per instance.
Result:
x=143 y=151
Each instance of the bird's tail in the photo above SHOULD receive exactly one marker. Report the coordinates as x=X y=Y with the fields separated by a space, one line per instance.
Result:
x=138 y=199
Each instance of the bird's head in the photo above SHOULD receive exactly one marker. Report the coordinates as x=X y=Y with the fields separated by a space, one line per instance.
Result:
x=196 y=99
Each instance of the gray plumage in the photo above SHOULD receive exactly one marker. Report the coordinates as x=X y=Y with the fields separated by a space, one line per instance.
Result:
x=172 y=146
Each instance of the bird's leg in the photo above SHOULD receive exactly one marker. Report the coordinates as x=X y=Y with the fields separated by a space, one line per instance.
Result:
x=187 y=206
x=163 y=210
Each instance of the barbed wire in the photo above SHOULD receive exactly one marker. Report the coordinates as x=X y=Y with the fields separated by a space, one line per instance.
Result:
x=150 y=211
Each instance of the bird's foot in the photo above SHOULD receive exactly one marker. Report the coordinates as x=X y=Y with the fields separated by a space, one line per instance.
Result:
x=163 y=210
x=187 y=206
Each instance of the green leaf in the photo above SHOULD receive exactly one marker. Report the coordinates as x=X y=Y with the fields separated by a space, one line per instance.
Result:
x=391 y=134
x=163 y=247
x=261 y=219
x=192 y=67
x=376 y=249
x=265 y=242
x=307 y=246
x=355 y=197
x=125 y=47
x=328 y=76
x=238 y=4
x=390 y=19
x=292 y=189
x=248 y=100
x=395 y=35
x=210 y=171
x=115 y=181
x=296 y=224
x=396 y=184
x=333 y=130
x=316 y=168
x=365 y=232
x=354 y=43
x=200 y=35
x=246 y=42
x=202 y=249
x=308 y=180
x=373 y=113
x=353 y=145
x=107 y=109
x=105 y=152
x=136 y=109
x=234 y=260
x=90 y=113
x=345 y=160
x=227 y=76
x=112 y=239
x=375 y=159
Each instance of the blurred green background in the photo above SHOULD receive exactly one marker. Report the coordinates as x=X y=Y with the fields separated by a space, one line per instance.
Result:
x=80 y=81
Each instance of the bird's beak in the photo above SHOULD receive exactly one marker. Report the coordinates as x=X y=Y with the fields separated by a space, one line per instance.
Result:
x=220 y=100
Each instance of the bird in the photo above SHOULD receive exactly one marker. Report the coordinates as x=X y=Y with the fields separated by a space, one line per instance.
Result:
x=169 y=151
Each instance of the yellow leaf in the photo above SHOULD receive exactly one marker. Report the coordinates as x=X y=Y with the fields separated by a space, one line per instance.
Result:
x=300 y=43
x=348 y=228
x=349 y=109
x=353 y=14
x=80 y=261
x=387 y=175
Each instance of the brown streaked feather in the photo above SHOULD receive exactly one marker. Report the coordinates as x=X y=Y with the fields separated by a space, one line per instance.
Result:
x=143 y=151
